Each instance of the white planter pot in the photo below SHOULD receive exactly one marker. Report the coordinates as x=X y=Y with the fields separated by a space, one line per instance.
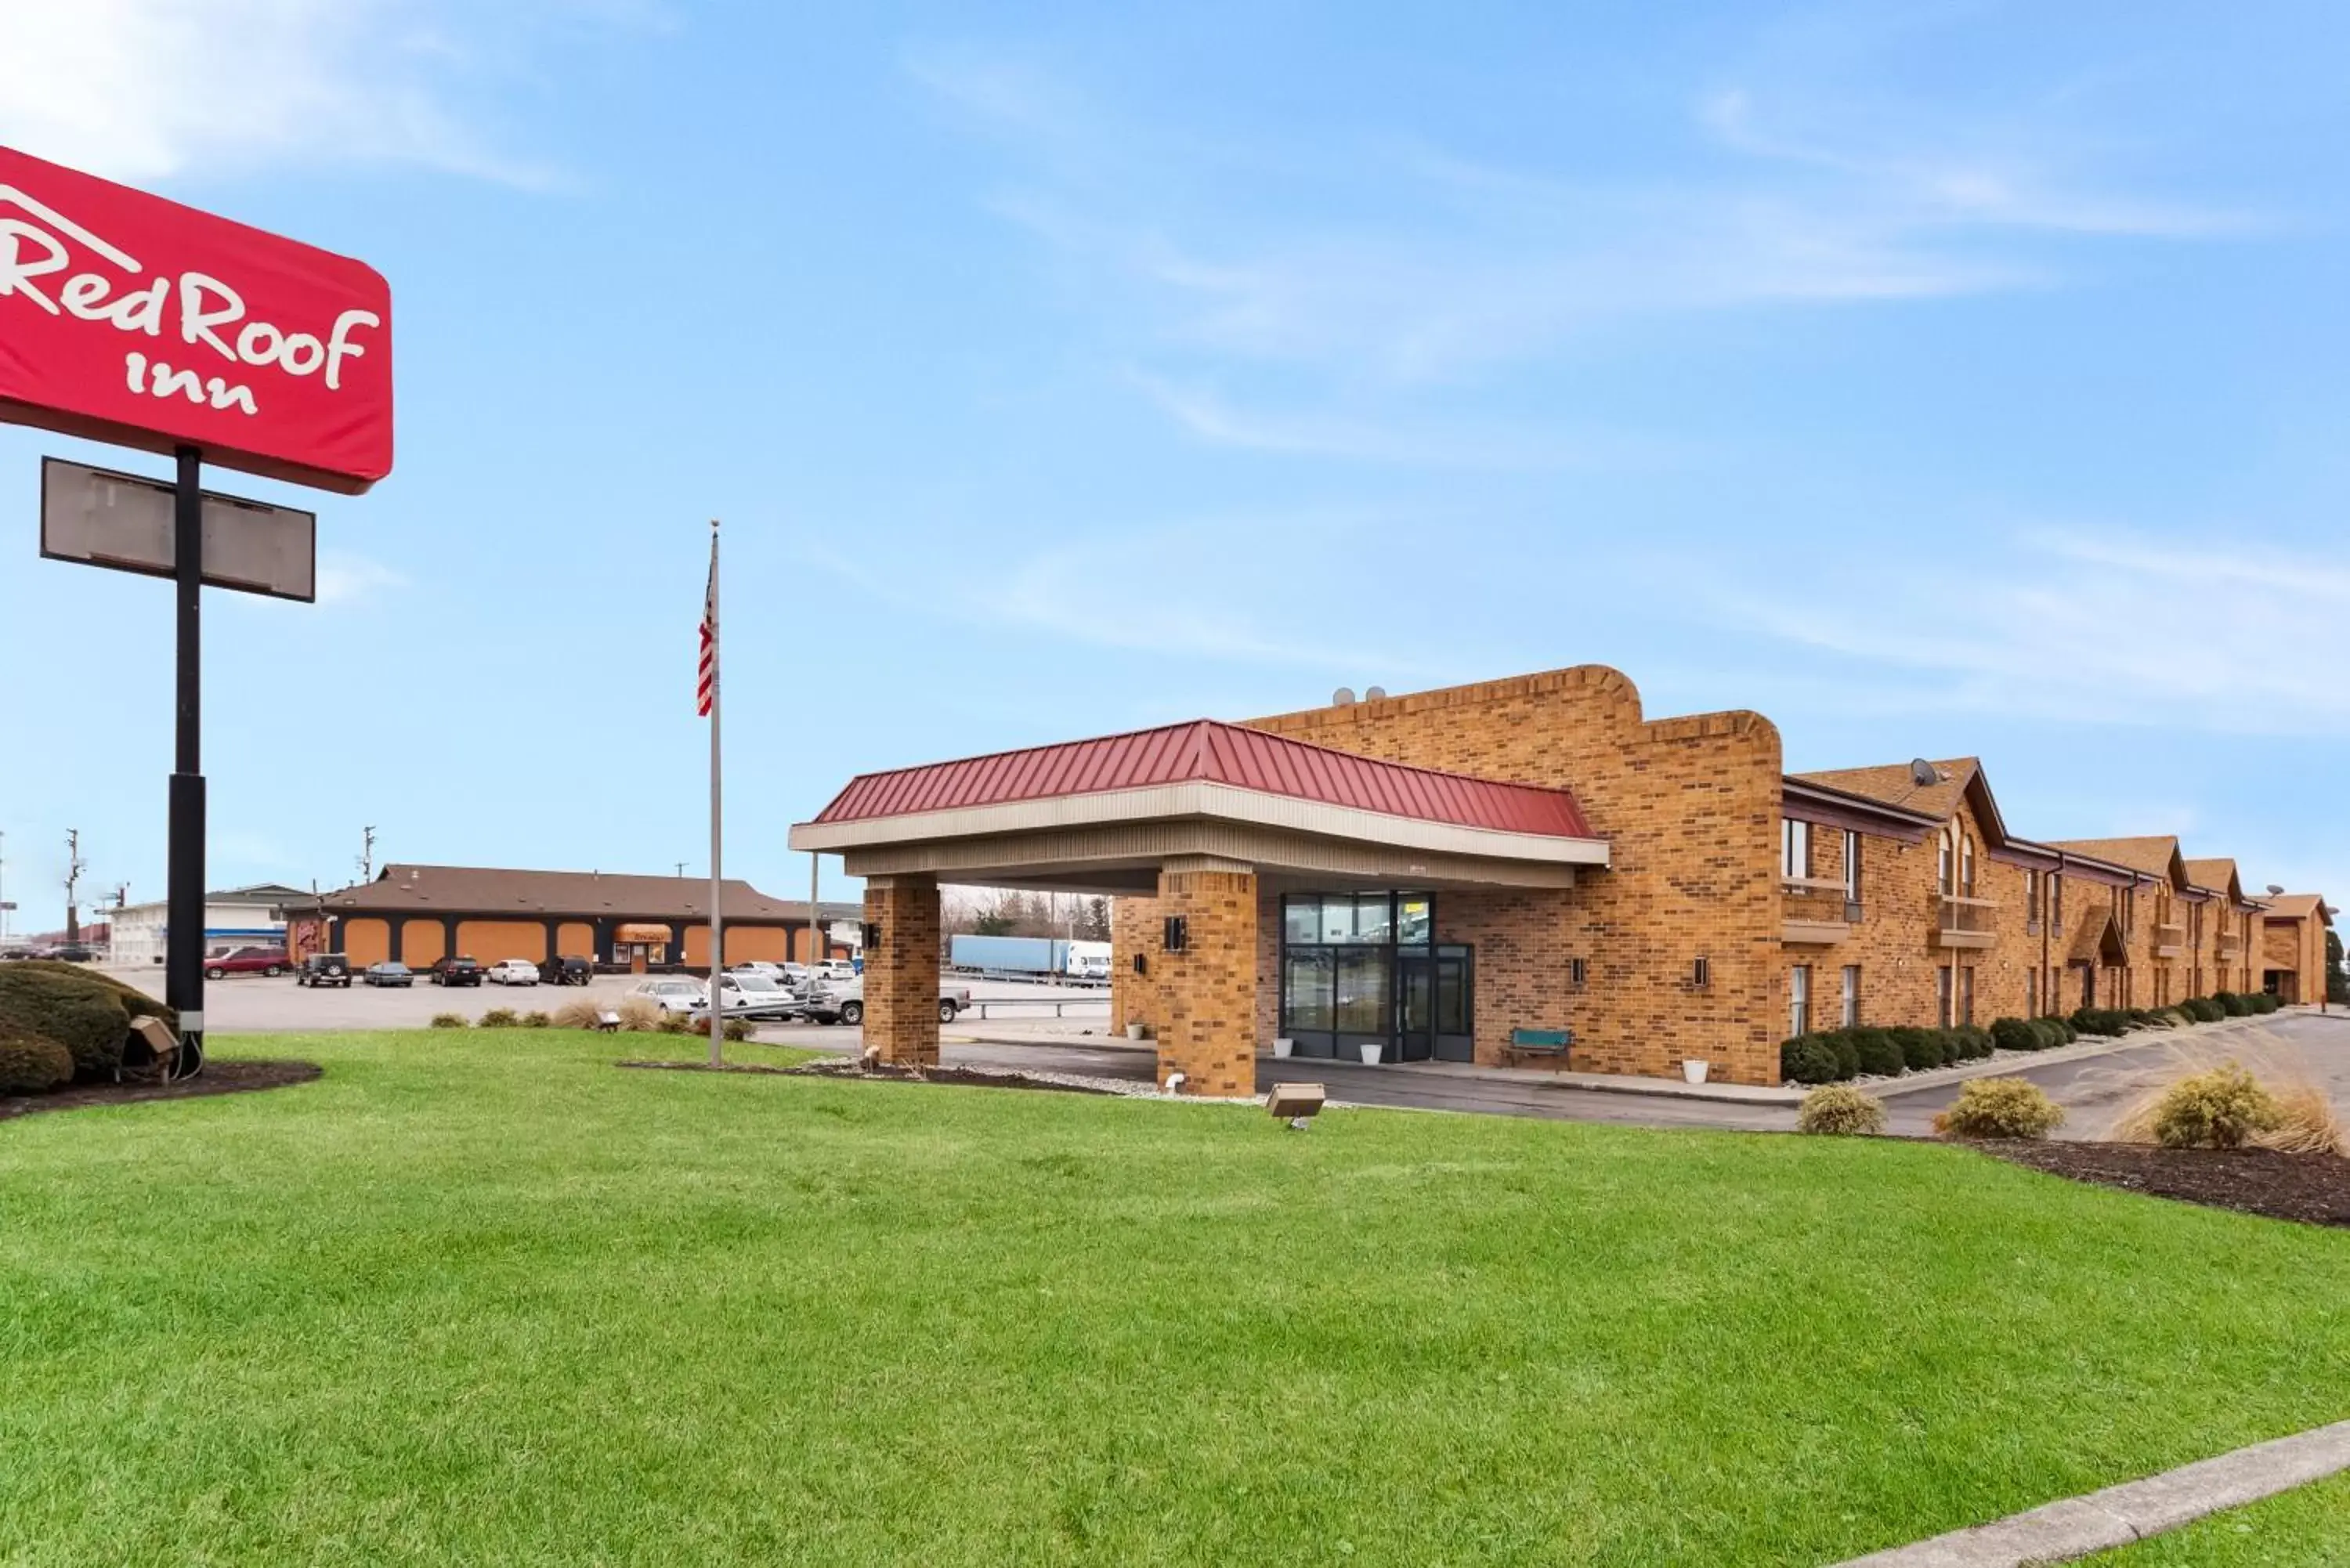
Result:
x=1284 y=1048
x=1693 y=1072
x=1370 y=1055
x=1138 y=1032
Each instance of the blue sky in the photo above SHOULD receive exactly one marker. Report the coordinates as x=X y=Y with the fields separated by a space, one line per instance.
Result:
x=1935 y=377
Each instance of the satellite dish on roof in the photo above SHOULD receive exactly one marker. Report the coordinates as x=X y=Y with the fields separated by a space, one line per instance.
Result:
x=1923 y=773
x=2274 y=889
x=1343 y=698
x=1376 y=694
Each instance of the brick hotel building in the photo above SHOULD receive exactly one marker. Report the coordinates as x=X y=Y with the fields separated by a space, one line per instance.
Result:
x=1426 y=874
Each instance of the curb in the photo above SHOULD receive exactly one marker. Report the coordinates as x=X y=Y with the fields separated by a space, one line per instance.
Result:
x=2084 y=1050
x=2100 y=1521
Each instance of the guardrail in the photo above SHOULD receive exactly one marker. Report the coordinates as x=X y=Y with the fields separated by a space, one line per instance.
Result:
x=1030 y=976
x=1089 y=1005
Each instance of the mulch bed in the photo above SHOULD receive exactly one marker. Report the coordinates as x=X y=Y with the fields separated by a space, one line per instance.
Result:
x=884 y=1073
x=217 y=1078
x=2311 y=1187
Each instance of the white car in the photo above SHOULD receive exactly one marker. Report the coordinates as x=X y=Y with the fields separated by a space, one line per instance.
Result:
x=835 y=970
x=670 y=994
x=751 y=996
x=512 y=972
x=759 y=967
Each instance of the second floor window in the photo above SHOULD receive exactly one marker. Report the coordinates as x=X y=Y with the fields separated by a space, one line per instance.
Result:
x=2056 y=902
x=1967 y=867
x=1942 y=865
x=2031 y=895
x=1851 y=866
x=1794 y=849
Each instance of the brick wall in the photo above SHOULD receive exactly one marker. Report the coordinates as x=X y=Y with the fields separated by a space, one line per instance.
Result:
x=1207 y=992
x=1690 y=809
x=901 y=974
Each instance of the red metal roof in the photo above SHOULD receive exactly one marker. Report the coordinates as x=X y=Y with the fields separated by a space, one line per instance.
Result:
x=1209 y=752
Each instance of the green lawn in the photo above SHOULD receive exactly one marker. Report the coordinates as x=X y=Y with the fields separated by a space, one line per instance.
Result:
x=2309 y=1528
x=482 y=1298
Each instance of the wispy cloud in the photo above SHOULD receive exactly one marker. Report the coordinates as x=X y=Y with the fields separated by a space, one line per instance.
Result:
x=1198 y=603
x=345 y=578
x=1445 y=269
x=2220 y=634
x=148 y=90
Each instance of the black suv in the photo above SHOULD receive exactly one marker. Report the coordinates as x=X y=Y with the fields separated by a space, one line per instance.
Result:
x=324 y=968
x=456 y=971
x=568 y=970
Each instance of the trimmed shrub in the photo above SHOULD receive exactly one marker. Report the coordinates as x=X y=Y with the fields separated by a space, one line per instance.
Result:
x=1848 y=1052
x=536 y=1021
x=70 y=1006
x=2233 y=1003
x=1807 y=1059
x=1840 y=1109
x=2001 y=1108
x=1878 y=1054
x=2052 y=1032
x=2222 y=1108
x=2101 y=1021
x=2066 y=1034
x=501 y=1018
x=32 y=1063
x=2263 y=1002
x=450 y=1021
x=2207 y=1009
x=1968 y=1043
x=737 y=1030
x=1922 y=1050
x=2017 y=1035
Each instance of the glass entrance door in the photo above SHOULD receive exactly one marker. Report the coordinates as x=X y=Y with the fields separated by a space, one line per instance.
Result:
x=1415 y=1009
x=1455 y=986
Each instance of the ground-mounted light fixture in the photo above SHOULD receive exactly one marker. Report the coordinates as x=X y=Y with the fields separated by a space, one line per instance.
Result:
x=607 y=1021
x=1295 y=1104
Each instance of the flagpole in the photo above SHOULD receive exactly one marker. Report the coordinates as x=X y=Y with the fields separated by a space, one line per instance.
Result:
x=717 y=834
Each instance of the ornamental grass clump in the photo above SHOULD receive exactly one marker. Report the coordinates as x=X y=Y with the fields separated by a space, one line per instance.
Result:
x=536 y=1021
x=1841 y=1110
x=501 y=1018
x=2001 y=1108
x=450 y=1021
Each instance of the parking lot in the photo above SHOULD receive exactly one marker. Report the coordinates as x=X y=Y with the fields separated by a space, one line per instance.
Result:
x=255 y=1005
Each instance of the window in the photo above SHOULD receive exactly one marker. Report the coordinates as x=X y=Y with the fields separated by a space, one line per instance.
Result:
x=2032 y=901
x=1851 y=874
x=1942 y=865
x=1361 y=1001
x=1799 y=999
x=1942 y=996
x=1852 y=996
x=2129 y=912
x=1794 y=849
x=1700 y=974
x=1967 y=995
x=1309 y=992
x=1578 y=972
x=2032 y=992
x=1414 y=924
x=2056 y=902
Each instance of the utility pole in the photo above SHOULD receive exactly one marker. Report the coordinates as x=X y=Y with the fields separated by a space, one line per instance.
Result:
x=75 y=867
x=367 y=853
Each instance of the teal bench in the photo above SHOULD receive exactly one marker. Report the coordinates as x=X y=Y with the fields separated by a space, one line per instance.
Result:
x=1541 y=1042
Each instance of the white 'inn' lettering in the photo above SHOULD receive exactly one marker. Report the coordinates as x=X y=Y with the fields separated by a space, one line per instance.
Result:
x=38 y=267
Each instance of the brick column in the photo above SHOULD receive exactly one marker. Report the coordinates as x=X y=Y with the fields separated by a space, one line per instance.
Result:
x=901 y=971
x=1207 y=992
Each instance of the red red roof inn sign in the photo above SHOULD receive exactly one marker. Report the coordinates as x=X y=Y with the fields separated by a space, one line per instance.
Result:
x=128 y=319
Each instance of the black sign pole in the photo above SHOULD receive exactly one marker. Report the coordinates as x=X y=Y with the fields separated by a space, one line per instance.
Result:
x=183 y=964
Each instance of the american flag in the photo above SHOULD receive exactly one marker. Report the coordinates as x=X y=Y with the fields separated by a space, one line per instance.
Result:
x=707 y=692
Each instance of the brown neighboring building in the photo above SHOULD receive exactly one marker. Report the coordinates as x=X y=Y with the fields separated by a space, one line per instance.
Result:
x=1423 y=876
x=417 y=915
x=2291 y=955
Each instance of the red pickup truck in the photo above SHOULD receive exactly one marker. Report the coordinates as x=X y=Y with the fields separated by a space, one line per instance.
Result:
x=247 y=961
